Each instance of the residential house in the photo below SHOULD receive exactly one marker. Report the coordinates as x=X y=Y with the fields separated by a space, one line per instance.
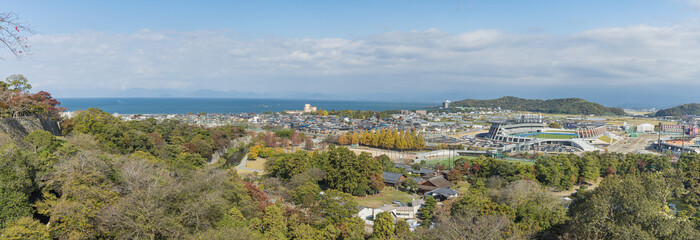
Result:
x=403 y=212
x=368 y=214
x=419 y=180
x=442 y=194
x=403 y=166
x=393 y=179
x=423 y=171
x=434 y=183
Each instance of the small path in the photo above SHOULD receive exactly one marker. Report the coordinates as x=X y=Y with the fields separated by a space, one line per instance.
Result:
x=241 y=165
x=568 y=193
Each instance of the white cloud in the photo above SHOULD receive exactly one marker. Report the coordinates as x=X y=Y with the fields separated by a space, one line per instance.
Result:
x=407 y=61
x=693 y=3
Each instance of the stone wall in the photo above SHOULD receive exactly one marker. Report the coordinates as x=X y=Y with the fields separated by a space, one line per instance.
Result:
x=18 y=128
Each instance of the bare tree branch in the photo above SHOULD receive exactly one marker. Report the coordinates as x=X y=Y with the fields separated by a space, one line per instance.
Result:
x=14 y=34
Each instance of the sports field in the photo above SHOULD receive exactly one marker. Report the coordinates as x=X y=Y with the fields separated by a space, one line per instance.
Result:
x=606 y=139
x=446 y=161
x=559 y=131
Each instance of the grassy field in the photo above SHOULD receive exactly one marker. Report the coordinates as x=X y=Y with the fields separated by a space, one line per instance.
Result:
x=560 y=131
x=243 y=172
x=257 y=164
x=635 y=121
x=606 y=139
x=462 y=187
x=446 y=161
x=632 y=112
x=559 y=116
x=518 y=161
x=387 y=196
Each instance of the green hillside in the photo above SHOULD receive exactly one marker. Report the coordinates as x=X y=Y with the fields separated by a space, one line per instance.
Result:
x=681 y=110
x=564 y=106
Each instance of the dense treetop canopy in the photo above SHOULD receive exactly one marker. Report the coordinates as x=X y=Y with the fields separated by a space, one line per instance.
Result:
x=681 y=110
x=564 y=106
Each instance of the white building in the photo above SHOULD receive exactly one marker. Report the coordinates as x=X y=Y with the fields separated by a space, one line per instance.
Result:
x=368 y=214
x=446 y=104
x=308 y=108
x=645 y=128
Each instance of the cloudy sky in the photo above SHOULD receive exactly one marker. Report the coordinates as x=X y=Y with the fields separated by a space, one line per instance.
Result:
x=638 y=53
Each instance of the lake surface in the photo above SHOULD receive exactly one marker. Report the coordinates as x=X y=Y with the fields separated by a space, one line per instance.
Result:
x=225 y=105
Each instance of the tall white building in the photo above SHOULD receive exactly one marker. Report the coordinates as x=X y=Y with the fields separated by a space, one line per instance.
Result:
x=308 y=108
x=446 y=104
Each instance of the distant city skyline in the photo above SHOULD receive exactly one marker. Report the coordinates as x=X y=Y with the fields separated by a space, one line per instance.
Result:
x=640 y=53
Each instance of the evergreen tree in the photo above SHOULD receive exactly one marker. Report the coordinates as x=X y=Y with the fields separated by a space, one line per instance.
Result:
x=428 y=211
x=402 y=230
x=383 y=226
x=273 y=224
x=26 y=228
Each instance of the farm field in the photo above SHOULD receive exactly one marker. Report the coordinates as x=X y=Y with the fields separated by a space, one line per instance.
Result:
x=636 y=121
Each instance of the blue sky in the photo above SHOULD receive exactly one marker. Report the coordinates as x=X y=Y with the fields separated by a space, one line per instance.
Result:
x=387 y=50
x=314 y=19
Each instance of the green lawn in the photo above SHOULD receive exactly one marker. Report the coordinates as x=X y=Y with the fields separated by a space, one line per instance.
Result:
x=560 y=131
x=446 y=161
x=387 y=196
x=257 y=164
x=519 y=161
x=462 y=187
x=605 y=139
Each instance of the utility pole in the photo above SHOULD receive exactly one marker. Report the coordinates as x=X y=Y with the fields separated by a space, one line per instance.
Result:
x=658 y=143
x=683 y=140
x=451 y=159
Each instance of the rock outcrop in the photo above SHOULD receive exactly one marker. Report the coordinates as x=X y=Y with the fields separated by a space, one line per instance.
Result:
x=18 y=128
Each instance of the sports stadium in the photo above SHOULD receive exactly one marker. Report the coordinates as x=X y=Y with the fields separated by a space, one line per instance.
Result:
x=529 y=131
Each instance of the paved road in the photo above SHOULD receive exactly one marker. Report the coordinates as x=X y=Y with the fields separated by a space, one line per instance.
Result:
x=633 y=145
x=241 y=166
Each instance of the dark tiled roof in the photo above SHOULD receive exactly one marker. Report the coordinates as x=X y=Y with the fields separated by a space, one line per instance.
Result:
x=391 y=177
x=404 y=166
x=445 y=192
x=418 y=180
x=440 y=182
x=426 y=188
x=422 y=171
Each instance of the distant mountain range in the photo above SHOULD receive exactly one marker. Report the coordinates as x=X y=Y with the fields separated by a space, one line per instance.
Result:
x=681 y=110
x=563 y=106
x=630 y=98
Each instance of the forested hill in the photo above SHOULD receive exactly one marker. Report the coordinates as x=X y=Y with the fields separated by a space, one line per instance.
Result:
x=565 y=105
x=681 y=110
